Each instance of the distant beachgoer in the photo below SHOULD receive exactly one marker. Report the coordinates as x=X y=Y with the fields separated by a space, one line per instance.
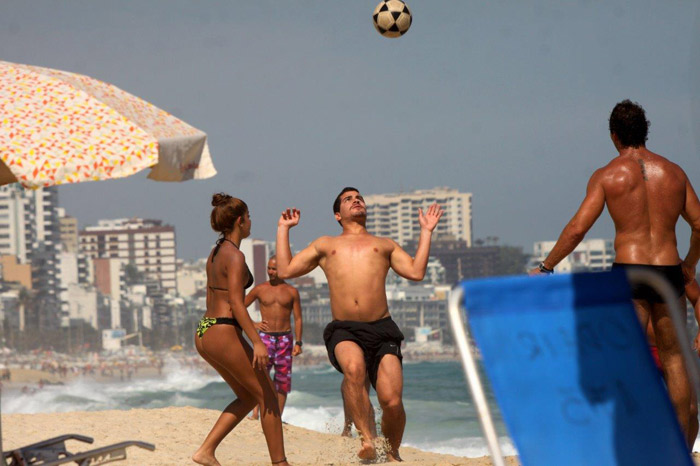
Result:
x=278 y=301
x=645 y=195
x=219 y=338
x=363 y=342
x=692 y=291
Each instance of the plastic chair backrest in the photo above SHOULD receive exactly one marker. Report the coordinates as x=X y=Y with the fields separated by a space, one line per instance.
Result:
x=571 y=370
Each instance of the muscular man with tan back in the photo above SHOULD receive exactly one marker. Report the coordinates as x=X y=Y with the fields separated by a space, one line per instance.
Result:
x=645 y=195
x=362 y=340
x=278 y=301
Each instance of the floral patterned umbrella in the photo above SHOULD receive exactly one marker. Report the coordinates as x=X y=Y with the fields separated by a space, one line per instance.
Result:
x=58 y=127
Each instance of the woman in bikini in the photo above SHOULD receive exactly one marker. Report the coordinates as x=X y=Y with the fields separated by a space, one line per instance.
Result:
x=219 y=339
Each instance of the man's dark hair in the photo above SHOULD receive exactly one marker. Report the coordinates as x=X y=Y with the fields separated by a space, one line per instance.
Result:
x=336 y=203
x=629 y=123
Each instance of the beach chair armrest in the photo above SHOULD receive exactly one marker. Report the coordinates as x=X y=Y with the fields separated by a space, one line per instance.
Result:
x=48 y=449
x=103 y=455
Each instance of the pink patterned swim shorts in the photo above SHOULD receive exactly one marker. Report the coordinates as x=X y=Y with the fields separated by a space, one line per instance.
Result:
x=279 y=349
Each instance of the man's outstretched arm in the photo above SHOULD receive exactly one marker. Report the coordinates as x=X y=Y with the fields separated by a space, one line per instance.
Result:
x=298 y=324
x=589 y=211
x=692 y=291
x=251 y=296
x=250 y=299
x=305 y=261
x=691 y=214
x=414 y=268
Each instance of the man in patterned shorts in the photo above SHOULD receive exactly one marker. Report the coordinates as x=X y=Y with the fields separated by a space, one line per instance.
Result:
x=278 y=300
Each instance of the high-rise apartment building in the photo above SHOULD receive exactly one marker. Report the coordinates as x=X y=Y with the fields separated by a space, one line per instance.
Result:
x=29 y=231
x=27 y=218
x=256 y=254
x=147 y=244
x=396 y=215
x=593 y=255
x=68 y=228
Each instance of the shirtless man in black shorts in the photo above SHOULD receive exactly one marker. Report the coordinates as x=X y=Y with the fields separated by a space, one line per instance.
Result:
x=362 y=340
x=645 y=195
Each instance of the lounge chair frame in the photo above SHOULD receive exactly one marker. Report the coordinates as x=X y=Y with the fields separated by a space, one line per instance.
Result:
x=53 y=451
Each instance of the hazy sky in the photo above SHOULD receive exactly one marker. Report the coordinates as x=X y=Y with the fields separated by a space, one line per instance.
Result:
x=507 y=100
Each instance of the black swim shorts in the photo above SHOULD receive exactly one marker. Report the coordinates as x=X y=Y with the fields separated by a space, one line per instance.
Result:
x=376 y=339
x=672 y=273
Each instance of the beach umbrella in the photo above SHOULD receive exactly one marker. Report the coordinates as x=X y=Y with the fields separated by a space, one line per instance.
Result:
x=58 y=127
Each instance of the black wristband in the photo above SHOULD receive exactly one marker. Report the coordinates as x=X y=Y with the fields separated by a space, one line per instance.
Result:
x=544 y=269
x=299 y=342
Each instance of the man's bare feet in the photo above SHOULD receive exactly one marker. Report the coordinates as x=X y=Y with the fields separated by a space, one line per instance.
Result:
x=205 y=459
x=347 y=431
x=393 y=457
x=367 y=452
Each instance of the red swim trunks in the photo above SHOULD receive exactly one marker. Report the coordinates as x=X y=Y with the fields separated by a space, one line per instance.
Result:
x=279 y=349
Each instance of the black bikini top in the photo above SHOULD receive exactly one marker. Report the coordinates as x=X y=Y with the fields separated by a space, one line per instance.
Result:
x=216 y=250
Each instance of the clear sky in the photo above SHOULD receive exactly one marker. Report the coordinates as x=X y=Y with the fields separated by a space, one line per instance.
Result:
x=507 y=100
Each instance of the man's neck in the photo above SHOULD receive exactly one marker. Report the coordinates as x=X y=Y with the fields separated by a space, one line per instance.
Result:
x=353 y=228
x=632 y=151
x=276 y=281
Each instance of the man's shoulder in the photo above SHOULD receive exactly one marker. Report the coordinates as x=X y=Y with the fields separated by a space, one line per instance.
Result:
x=322 y=242
x=323 y=239
x=289 y=287
x=259 y=287
x=386 y=240
x=614 y=169
x=620 y=165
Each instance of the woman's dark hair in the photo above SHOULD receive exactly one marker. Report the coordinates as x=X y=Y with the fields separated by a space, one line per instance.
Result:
x=629 y=123
x=227 y=209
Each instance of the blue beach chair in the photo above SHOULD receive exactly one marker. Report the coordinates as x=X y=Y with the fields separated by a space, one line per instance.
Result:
x=570 y=368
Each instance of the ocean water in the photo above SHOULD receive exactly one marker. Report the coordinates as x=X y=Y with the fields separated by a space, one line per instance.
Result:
x=440 y=415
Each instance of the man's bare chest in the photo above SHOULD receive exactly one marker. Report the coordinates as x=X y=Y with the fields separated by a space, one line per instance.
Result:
x=276 y=297
x=353 y=254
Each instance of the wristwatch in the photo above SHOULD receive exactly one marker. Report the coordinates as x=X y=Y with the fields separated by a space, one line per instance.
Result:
x=299 y=342
x=544 y=269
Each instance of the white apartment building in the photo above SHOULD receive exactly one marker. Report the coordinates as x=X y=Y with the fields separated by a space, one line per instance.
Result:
x=396 y=215
x=591 y=255
x=26 y=218
x=434 y=274
x=147 y=244
x=68 y=230
x=191 y=277
x=257 y=253
x=29 y=230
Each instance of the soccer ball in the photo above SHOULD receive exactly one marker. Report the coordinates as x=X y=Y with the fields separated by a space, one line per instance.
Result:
x=392 y=18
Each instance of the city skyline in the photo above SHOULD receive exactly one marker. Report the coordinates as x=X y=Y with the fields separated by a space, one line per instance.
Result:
x=506 y=101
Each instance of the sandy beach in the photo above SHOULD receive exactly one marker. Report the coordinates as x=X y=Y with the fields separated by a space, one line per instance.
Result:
x=176 y=432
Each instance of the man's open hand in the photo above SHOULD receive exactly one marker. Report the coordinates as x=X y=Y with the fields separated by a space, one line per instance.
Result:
x=430 y=219
x=289 y=218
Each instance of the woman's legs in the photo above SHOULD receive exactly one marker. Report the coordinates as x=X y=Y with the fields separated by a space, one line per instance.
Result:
x=230 y=417
x=223 y=347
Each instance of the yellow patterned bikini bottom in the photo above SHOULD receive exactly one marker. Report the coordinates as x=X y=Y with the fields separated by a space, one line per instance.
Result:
x=206 y=322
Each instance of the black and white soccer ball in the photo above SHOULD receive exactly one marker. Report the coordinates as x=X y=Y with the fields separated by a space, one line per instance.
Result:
x=392 y=18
